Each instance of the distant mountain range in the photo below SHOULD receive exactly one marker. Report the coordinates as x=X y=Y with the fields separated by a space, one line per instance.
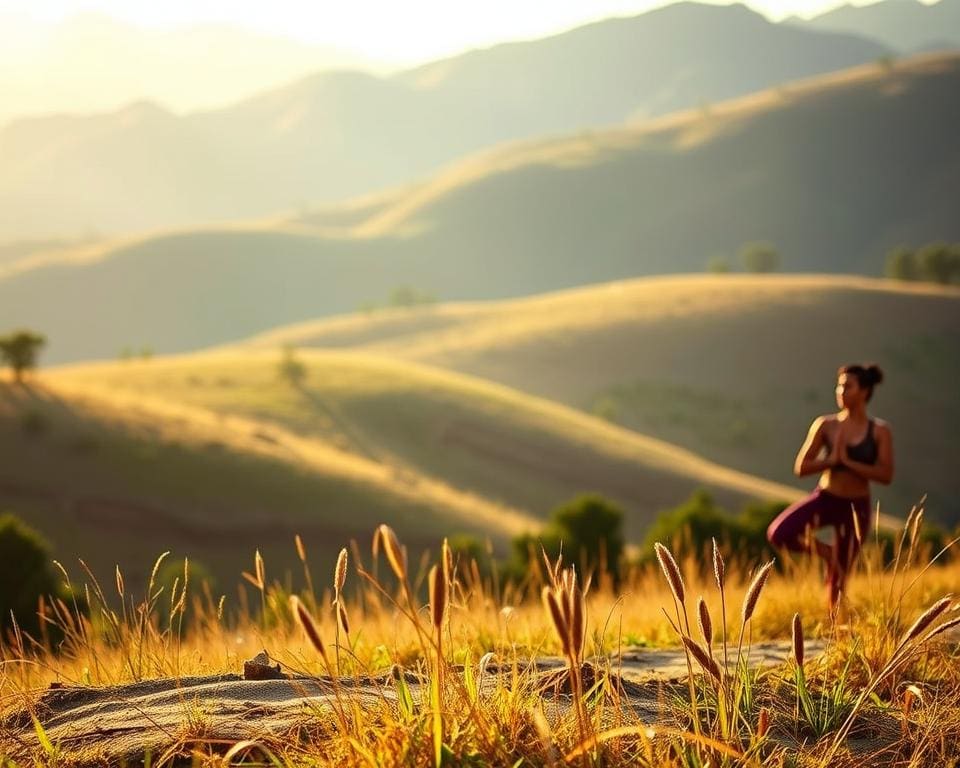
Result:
x=834 y=172
x=92 y=63
x=339 y=134
x=908 y=26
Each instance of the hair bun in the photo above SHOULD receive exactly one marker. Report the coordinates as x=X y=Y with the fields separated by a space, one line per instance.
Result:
x=874 y=373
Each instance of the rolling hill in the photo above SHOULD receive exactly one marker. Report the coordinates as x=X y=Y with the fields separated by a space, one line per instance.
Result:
x=213 y=455
x=834 y=171
x=337 y=134
x=114 y=479
x=731 y=367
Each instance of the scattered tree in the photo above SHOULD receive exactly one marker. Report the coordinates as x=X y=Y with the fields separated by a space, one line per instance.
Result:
x=291 y=368
x=20 y=350
x=760 y=257
x=718 y=265
x=408 y=296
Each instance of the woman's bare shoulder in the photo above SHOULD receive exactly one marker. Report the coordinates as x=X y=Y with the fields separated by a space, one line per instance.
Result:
x=881 y=425
x=817 y=425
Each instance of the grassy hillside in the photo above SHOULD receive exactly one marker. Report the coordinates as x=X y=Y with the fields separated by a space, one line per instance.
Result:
x=341 y=133
x=115 y=478
x=218 y=444
x=732 y=367
x=820 y=169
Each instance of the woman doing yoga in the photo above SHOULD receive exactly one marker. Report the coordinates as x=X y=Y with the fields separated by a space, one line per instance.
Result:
x=848 y=449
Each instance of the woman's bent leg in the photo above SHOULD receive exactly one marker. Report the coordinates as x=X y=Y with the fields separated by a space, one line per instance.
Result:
x=793 y=528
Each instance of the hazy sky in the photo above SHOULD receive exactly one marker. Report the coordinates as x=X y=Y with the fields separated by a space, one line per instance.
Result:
x=387 y=30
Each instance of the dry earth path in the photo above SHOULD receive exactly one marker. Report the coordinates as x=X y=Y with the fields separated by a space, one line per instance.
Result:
x=120 y=724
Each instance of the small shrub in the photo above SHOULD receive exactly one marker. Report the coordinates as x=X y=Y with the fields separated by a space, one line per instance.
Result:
x=587 y=529
x=760 y=257
x=25 y=573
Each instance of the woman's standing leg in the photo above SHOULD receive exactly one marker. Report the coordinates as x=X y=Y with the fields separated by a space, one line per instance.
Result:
x=852 y=524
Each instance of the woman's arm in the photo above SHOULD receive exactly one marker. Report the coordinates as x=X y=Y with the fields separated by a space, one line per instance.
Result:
x=807 y=462
x=882 y=471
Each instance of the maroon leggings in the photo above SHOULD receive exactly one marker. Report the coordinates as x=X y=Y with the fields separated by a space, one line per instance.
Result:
x=792 y=528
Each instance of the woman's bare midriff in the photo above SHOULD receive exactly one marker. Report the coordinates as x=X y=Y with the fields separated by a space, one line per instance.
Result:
x=844 y=483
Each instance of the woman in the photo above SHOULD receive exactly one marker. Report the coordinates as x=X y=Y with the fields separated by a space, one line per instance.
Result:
x=848 y=449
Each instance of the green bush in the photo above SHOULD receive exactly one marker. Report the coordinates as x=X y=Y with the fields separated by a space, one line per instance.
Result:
x=587 y=529
x=933 y=262
x=25 y=573
x=690 y=527
x=760 y=257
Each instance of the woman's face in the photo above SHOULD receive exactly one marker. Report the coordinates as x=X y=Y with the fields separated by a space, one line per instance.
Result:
x=849 y=393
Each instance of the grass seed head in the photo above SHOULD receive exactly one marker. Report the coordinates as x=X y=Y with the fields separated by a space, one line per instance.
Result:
x=301 y=552
x=671 y=571
x=754 y=590
x=307 y=624
x=438 y=595
x=703 y=658
x=797 y=636
x=719 y=571
x=763 y=722
x=340 y=572
x=556 y=616
x=553 y=569
x=577 y=620
x=396 y=555
x=705 y=623
x=259 y=569
x=119 y=582
x=926 y=619
x=446 y=557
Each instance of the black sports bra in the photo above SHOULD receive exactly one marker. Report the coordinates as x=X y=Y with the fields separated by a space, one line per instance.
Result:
x=864 y=452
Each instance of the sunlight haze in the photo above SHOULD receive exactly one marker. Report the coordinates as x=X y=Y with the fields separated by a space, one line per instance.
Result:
x=390 y=33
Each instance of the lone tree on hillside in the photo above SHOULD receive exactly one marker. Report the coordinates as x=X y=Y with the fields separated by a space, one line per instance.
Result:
x=760 y=257
x=291 y=369
x=19 y=350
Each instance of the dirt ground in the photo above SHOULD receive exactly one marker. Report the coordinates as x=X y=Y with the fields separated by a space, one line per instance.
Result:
x=93 y=726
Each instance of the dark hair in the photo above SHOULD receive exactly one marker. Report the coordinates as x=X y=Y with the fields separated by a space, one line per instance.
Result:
x=868 y=376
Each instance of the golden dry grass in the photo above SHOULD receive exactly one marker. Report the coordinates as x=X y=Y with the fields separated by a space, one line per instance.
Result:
x=390 y=627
